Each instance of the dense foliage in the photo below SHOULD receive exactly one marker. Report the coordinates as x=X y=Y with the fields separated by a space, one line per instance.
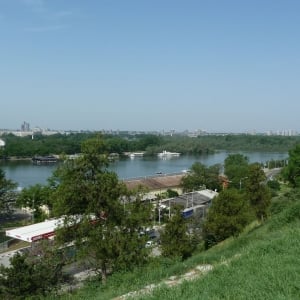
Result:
x=7 y=194
x=229 y=214
x=258 y=192
x=201 y=177
x=149 y=143
x=105 y=230
x=32 y=273
x=35 y=197
x=291 y=172
x=175 y=240
x=236 y=169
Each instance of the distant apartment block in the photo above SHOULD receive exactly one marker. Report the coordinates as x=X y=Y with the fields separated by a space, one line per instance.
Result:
x=289 y=132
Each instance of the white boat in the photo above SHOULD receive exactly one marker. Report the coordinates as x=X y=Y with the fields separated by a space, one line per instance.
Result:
x=168 y=154
x=134 y=154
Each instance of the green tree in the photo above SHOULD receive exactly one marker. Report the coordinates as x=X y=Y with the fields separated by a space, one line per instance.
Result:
x=274 y=186
x=258 y=192
x=175 y=240
x=291 y=172
x=34 y=197
x=236 y=169
x=7 y=194
x=201 y=176
x=171 y=193
x=33 y=273
x=227 y=216
x=103 y=227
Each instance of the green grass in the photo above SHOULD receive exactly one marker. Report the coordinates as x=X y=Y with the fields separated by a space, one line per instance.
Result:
x=266 y=269
x=262 y=263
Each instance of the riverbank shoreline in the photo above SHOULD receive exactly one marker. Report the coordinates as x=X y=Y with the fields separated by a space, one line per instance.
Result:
x=15 y=158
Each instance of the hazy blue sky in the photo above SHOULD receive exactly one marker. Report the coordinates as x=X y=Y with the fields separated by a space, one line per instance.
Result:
x=150 y=64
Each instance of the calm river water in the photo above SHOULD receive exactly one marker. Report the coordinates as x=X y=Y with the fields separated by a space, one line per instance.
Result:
x=26 y=174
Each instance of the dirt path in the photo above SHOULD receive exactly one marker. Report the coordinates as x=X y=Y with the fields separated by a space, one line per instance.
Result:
x=170 y=282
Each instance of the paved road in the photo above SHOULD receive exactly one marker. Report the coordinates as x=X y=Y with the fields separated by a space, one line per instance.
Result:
x=271 y=173
x=4 y=257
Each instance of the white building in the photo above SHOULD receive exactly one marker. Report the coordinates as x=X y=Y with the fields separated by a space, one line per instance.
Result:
x=2 y=143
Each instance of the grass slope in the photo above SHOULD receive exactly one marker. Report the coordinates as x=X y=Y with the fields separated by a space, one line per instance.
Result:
x=265 y=264
x=262 y=263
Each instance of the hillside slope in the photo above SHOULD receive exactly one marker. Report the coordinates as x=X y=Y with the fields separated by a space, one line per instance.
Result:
x=264 y=264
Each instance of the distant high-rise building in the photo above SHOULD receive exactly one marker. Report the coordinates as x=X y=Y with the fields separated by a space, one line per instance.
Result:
x=25 y=126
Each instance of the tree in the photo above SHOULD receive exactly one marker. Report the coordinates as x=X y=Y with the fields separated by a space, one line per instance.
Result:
x=105 y=230
x=35 y=197
x=7 y=194
x=32 y=273
x=291 y=172
x=201 y=177
x=274 y=186
x=258 y=192
x=175 y=240
x=227 y=216
x=236 y=169
x=171 y=193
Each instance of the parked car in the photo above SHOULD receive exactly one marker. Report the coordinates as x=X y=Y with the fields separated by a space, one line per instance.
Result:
x=149 y=244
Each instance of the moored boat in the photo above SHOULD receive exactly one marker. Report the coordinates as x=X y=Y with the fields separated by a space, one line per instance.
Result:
x=44 y=159
x=168 y=154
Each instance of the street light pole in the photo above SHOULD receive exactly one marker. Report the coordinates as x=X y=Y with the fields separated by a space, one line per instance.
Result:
x=241 y=182
x=159 y=212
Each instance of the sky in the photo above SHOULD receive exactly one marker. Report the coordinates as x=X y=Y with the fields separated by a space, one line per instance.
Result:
x=150 y=65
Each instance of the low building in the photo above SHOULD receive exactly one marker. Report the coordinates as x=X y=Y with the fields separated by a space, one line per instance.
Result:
x=156 y=185
x=192 y=203
x=35 y=232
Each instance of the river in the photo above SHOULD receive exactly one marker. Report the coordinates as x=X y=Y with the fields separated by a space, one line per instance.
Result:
x=25 y=174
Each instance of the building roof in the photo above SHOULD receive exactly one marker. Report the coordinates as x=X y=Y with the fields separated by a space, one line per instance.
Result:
x=197 y=198
x=36 y=231
x=156 y=182
x=43 y=230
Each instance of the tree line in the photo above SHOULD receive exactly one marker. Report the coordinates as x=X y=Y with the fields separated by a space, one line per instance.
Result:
x=24 y=147
x=104 y=222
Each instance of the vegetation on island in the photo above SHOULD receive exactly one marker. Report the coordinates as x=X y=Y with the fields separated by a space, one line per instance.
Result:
x=104 y=228
x=150 y=144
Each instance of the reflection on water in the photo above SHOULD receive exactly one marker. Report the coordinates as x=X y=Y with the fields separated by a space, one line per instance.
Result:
x=25 y=173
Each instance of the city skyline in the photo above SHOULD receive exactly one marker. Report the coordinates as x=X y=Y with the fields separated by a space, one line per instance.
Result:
x=26 y=129
x=219 y=66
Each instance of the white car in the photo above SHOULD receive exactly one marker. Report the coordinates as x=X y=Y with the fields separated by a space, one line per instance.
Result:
x=149 y=244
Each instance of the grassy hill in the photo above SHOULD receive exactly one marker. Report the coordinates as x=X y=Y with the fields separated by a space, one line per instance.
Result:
x=262 y=263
